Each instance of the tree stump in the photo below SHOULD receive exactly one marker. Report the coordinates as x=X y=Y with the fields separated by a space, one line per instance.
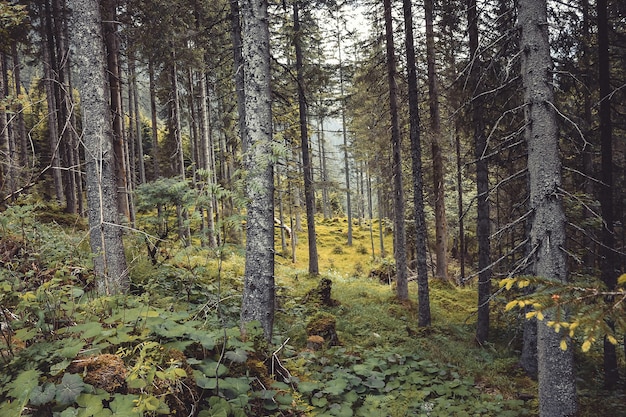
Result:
x=321 y=331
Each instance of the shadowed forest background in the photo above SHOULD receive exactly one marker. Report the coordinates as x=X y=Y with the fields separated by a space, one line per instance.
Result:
x=312 y=208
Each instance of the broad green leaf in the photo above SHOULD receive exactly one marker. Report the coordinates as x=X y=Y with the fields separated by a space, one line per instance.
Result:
x=306 y=387
x=69 y=389
x=23 y=385
x=238 y=355
x=42 y=394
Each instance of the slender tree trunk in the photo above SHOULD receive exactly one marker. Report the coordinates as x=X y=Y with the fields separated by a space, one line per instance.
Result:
x=105 y=232
x=609 y=264
x=239 y=67
x=402 y=288
x=49 y=58
x=423 y=292
x=136 y=122
x=557 y=388
x=206 y=147
x=156 y=169
x=258 y=293
x=482 y=181
x=21 y=126
x=441 y=225
x=5 y=152
x=309 y=192
x=346 y=160
x=381 y=233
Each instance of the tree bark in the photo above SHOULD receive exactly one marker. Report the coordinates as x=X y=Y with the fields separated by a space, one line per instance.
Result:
x=402 y=288
x=557 y=388
x=258 y=293
x=309 y=192
x=156 y=168
x=482 y=180
x=441 y=224
x=609 y=265
x=424 y=318
x=105 y=233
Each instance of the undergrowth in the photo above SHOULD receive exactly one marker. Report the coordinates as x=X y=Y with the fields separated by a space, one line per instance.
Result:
x=173 y=346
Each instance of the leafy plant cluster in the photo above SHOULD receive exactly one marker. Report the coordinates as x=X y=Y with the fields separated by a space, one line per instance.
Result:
x=344 y=383
x=589 y=313
x=65 y=352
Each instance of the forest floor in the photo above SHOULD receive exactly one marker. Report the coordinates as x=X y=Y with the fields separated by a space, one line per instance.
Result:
x=369 y=318
x=174 y=345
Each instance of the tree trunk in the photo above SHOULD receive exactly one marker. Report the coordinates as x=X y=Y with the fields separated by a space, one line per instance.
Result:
x=105 y=233
x=309 y=192
x=206 y=157
x=258 y=293
x=53 y=133
x=482 y=181
x=557 y=388
x=156 y=168
x=402 y=288
x=418 y=183
x=21 y=127
x=5 y=168
x=238 y=64
x=441 y=224
x=346 y=160
x=609 y=264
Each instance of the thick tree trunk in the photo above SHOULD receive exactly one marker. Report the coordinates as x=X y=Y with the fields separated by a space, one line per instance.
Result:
x=97 y=137
x=402 y=288
x=418 y=183
x=258 y=293
x=309 y=192
x=557 y=388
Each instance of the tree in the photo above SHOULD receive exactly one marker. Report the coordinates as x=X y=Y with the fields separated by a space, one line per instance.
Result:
x=416 y=158
x=309 y=192
x=609 y=266
x=482 y=178
x=105 y=232
x=557 y=389
x=402 y=290
x=441 y=226
x=258 y=293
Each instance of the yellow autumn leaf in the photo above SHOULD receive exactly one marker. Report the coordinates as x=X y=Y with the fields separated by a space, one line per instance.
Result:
x=621 y=280
x=563 y=345
x=510 y=305
x=557 y=327
x=523 y=283
x=586 y=346
x=539 y=315
x=531 y=314
x=611 y=339
x=509 y=284
x=504 y=281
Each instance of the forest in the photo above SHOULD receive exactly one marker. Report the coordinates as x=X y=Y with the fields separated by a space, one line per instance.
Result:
x=312 y=208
